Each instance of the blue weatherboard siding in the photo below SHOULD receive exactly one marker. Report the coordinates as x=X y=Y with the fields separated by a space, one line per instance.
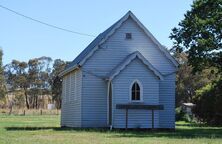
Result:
x=128 y=59
x=71 y=99
x=136 y=70
x=90 y=107
x=94 y=101
x=116 y=48
x=167 y=98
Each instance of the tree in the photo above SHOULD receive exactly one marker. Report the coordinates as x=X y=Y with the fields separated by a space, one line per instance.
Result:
x=45 y=64
x=56 y=81
x=17 y=77
x=200 y=33
x=38 y=76
x=200 y=36
x=208 y=103
x=32 y=78
x=188 y=82
x=2 y=80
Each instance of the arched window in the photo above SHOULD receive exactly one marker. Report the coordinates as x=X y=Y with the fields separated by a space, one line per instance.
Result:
x=136 y=91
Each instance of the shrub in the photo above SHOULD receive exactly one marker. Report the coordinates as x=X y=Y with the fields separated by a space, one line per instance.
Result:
x=179 y=114
x=182 y=116
x=208 y=102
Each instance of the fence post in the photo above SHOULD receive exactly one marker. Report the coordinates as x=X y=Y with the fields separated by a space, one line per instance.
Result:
x=41 y=111
x=24 y=112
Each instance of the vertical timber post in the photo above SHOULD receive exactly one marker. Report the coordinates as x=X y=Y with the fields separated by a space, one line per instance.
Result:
x=126 y=119
x=152 y=119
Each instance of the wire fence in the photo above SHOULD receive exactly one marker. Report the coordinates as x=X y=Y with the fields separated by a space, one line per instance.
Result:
x=24 y=112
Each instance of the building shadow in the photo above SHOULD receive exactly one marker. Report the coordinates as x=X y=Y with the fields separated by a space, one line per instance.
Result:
x=189 y=132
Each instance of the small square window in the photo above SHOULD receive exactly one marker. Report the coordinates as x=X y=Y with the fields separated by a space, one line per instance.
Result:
x=128 y=35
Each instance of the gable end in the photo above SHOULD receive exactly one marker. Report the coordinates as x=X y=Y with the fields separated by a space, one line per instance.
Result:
x=101 y=38
x=128 y=60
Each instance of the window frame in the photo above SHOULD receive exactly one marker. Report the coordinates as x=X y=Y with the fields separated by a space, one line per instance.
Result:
x=141 y=91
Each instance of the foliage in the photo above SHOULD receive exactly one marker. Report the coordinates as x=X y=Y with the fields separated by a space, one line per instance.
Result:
x=182 y=116
x=35 y=79
x=39 y=77
x=179 y=114
x=2 y=82
x=200 y=34
x=188 y=82
x=56 y=81
x=208 y=102
x=17 y=77
x=32 y=78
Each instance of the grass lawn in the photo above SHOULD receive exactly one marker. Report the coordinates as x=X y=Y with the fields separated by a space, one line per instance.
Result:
x=45 y=130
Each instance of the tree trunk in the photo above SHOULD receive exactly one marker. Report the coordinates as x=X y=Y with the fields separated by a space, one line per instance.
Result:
x=33 y=102
x=10 y=107
x=26 y=98
x=36 y=102
x=60 y=103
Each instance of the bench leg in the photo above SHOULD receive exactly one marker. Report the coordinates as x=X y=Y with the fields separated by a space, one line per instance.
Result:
x=126 y=119
x=152 y=119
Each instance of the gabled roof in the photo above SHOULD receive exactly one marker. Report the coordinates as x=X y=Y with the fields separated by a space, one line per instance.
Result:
x=101 y=38
x=128 y=60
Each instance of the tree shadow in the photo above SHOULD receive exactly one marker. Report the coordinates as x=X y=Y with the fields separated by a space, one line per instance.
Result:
x=28 y=128
x=178 y=133
x=188 y=132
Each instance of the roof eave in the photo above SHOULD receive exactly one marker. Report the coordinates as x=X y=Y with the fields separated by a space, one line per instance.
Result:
x=63 y=73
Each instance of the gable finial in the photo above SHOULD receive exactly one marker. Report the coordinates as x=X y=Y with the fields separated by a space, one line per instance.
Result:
x=129 y=12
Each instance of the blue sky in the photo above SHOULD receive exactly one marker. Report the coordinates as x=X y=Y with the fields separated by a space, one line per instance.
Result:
x=23 y=39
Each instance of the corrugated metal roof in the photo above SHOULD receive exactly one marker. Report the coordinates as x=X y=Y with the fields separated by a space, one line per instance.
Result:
x=90 y=47
x=77 y=61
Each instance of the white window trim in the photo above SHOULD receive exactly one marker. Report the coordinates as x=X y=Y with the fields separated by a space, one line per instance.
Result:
x=141 y=91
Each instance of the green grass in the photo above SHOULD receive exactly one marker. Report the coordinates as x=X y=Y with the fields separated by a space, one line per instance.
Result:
x=45 y=130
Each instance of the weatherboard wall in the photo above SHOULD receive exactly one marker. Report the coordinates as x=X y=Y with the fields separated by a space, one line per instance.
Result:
x=117 y=47
x=167 y=98
x=71 y=99
x=111 y=53
x=149 y=90
x=94 y=101
x=91 y=109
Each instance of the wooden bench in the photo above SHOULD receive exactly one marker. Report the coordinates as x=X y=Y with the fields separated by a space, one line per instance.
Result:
x=139 y=106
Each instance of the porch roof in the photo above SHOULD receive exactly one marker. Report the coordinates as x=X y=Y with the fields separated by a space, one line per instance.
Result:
x=128 y=59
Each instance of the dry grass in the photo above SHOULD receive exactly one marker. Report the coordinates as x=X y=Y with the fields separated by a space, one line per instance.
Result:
x=30 y=112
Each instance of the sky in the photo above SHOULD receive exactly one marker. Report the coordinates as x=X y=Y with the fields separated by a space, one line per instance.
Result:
x=22 y=39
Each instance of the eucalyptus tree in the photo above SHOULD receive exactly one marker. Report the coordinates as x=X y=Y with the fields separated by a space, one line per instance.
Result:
x=56 y=81
x=2 y=80
x=17 y=77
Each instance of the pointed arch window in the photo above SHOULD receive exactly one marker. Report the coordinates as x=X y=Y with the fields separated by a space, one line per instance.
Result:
x=136 y=91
